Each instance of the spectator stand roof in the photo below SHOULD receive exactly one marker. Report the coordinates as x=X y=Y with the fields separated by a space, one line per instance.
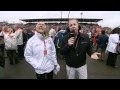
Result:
x=60 y=20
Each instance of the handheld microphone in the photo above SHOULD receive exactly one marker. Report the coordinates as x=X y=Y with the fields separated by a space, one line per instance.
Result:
x=72 y=33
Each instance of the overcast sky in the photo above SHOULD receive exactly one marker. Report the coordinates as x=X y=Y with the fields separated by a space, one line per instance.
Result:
x=110 y=18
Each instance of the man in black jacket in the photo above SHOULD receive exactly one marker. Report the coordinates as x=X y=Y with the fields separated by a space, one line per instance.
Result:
x=74 y=48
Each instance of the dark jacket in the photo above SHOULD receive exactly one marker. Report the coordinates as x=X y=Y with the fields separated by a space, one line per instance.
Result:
x=102 y=41
x=29 y=34
x=58 y=39
x=75 y=56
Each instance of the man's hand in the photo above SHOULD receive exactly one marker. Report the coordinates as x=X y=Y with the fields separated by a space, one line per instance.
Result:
x=95 y=55
x=56 y=69
x=71 y=41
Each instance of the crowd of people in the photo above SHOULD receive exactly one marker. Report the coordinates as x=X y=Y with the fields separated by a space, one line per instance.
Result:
x=42 y=44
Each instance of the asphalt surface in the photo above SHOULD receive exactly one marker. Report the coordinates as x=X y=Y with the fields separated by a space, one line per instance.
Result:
x=96 y=70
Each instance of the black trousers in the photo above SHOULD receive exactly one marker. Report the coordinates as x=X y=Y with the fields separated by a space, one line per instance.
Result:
x=20 y=51
x=2 y=47
x=112 y=58
x=45 y=75
x=2 y=59
x=12 y=55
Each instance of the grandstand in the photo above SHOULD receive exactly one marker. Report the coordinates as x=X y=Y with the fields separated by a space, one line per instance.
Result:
x=62 y=20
